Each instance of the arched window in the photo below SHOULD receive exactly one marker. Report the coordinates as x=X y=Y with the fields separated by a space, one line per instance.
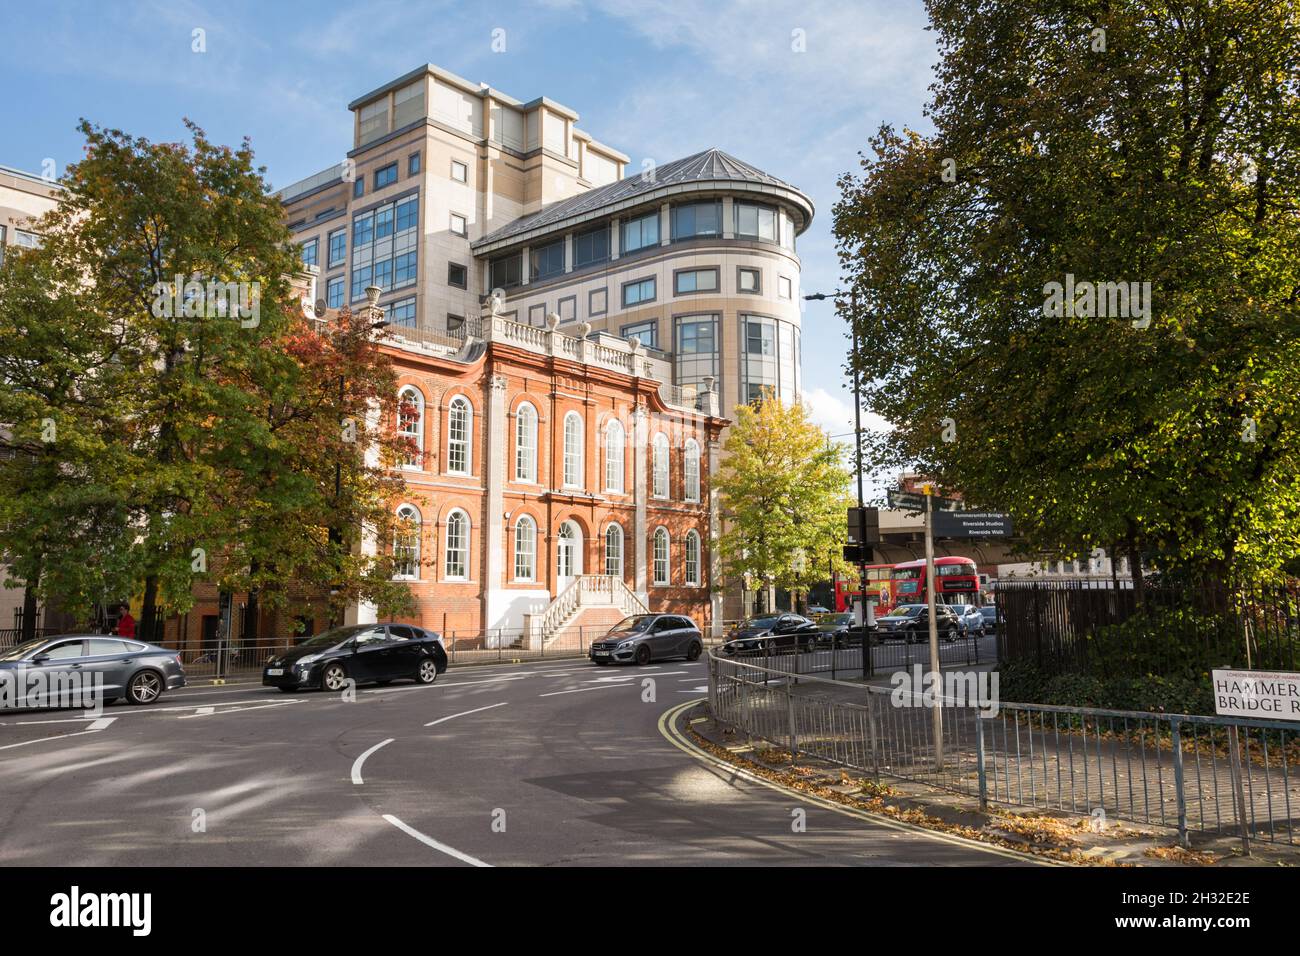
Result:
x=526 y=443
x=614 y=550
x=692 y=558
x=460 y=433
x=573 y=450
x=568 y=553
x=615 y=442
x=456 y=565
x=525 y=548
x=660 y=489
x=406 y=544
x=691 y=467
x=410 y=425
x=661 y=556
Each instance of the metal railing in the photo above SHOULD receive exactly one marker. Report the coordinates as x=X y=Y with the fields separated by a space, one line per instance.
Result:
x=1211 y=775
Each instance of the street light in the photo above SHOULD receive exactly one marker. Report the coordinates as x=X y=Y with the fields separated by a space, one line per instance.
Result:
x=857 y=433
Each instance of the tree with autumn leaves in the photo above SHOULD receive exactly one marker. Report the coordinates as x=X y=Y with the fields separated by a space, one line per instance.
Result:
x=1100 y=142
x=783 y=493
x=156 y=436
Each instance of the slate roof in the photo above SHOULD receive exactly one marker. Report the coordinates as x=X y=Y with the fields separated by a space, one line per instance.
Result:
x=710 y=166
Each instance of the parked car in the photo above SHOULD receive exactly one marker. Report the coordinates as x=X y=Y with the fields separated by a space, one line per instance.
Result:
x=75 y=666
x=990 y=614
x=772 y=634
x=838 y=629
x=364 y=653
x=972 y=621
x=818 y=609
x=911 y=623
x=643 y=638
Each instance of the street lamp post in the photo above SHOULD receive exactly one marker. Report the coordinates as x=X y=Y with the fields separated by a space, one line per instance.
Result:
x=857 y=435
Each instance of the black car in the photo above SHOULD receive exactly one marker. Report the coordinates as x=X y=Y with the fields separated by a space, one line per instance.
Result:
x=990 y=614
x=643 y=638
x=838 y=630
x=911 y=623
x=364 y=653
x=772 y=634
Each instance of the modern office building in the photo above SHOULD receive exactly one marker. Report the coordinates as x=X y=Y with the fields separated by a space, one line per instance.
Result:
x=454 y=189
x=455 y=192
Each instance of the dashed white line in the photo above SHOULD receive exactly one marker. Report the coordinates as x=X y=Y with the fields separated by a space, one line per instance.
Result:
x=583 y=690
x=356 y=766
x=212 y=712
x=430 y=841
x=465 y=713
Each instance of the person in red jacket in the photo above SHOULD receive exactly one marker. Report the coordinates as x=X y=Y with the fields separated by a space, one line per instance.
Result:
x=126 y=623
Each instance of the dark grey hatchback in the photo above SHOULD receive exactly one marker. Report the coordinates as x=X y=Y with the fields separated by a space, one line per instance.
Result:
x=72 y=669
x=643 y=638
x=362 y=653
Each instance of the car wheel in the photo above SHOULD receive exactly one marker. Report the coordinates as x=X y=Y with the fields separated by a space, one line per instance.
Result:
x=427 y=672
x=696 y=649
x=643 y=654
x=952 y=636
x=334 y=677
x=144 y=687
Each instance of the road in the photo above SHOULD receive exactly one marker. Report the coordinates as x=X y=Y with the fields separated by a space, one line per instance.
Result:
x=556 y=763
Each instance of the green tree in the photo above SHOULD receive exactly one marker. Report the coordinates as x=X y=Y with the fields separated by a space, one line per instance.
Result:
x=782 y=490
x=1112 y=142
x=231 y=432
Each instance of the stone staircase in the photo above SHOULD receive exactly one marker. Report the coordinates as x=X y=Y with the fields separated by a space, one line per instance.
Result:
x=589 y=606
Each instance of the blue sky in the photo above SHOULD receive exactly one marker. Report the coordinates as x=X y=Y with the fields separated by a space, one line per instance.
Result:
x=660 y=79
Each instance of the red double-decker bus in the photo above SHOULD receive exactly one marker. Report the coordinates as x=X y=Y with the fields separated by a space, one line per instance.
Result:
x=878 y=587
x=956 y=581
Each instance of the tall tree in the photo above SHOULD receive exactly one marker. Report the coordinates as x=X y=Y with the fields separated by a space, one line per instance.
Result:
x=1093 y=142
x=240 y=431
x=782 y=489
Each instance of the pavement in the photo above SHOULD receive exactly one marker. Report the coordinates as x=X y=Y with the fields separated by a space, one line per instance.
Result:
x=554 y=763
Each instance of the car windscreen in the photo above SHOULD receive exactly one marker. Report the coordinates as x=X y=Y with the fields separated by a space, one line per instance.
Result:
x=761 y=622
x=638 y=622
x=335 y=636
x=989 y=612
x=907 y=610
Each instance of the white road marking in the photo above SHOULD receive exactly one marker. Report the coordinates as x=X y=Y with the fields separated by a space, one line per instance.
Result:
x=494 y=680
x=702 y=689
x=430 y=841
x=465 y=713
x=630 y=677
x=356 y=766
x=213 y=712
x=583 y=690
x=94 y=728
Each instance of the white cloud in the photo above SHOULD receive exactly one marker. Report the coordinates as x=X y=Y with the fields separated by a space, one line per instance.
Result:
x=834 y=413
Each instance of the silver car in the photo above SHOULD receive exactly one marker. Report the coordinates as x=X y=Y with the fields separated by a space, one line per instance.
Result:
x=81 y=670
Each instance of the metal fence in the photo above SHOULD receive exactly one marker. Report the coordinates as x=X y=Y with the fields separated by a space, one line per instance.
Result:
x=838 y=656
x=1068 y=627
x=1209 y=775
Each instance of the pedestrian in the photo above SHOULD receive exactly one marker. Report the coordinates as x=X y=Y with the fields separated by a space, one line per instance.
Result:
x=126 y=623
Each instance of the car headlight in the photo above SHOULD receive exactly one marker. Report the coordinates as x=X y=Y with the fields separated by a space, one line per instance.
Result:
x=623 y=646
x=307 y=661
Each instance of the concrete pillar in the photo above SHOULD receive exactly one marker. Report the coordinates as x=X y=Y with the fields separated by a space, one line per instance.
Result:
x=665 y=224
x=494 y=477
x=728 y=218
x=640 y=427
x=615 y=239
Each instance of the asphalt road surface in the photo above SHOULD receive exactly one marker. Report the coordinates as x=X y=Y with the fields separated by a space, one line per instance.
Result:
x=557 y=763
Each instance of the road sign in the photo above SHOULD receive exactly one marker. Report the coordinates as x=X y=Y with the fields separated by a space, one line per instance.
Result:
x=864 y=526
x=1266 y=695
x=972 y=524
x=915 y=501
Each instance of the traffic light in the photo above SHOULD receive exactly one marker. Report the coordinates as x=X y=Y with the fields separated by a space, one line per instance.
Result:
x=864 y=526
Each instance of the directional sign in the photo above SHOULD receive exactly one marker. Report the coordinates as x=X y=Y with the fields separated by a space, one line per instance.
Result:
x=915 y=501
x=972 y=524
